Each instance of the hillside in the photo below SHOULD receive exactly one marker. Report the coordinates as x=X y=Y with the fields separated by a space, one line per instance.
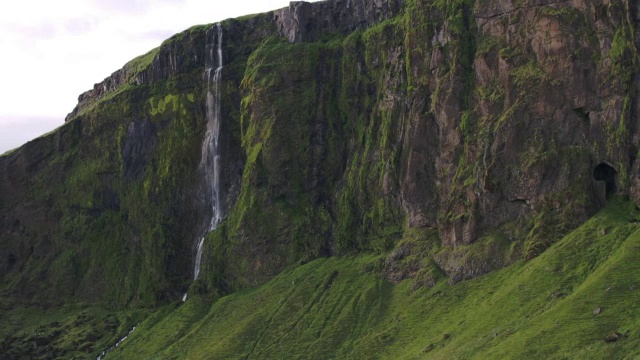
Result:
x=343 y=308
x=360 y=178
x=577 y=300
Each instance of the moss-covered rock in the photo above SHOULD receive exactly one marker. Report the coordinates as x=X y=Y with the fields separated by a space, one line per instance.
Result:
x=343 y=132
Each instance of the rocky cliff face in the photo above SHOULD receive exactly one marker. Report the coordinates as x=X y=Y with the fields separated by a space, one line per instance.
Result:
x=308 y=22
x=349 y=126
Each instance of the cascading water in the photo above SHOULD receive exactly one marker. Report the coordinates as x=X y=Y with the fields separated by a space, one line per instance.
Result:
x=104 y=353
x=210 y=163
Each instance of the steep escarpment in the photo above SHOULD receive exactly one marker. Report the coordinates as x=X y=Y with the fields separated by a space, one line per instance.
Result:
x=455 y=136
x=418 y=143
x=500 y=125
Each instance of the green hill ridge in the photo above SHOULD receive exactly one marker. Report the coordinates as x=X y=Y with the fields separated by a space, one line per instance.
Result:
x=397 y=179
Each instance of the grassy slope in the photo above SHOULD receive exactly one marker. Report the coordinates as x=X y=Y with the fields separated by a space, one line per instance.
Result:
x=69 y=332
x=342 y=308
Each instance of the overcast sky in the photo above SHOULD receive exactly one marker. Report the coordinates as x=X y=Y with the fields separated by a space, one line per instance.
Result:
x=52 y=51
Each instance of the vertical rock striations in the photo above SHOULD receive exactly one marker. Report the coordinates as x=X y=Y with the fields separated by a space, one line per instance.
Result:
x=308 y=22
x=349 y=126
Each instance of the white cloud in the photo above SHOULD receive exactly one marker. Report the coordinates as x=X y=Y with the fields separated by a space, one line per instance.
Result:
x=53 y=52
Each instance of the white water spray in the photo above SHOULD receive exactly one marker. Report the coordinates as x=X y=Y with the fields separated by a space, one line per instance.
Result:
x=210 y=163
x=104 y=353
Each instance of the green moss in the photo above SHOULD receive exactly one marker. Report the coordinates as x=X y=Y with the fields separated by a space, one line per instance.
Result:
x=181 y=36
x=140 y=64
x=623 y=56
x=358 y=214
x=528 y=78
x=161 y=105
x=68 y=332
x=508 y=53
x=341 y=308
x=488 y=44
x=570 y=16
x=319 y=128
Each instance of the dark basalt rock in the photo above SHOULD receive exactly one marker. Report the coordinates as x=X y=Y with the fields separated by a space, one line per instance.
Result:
x=346 y=124
x=137 y=148
x=308 y=22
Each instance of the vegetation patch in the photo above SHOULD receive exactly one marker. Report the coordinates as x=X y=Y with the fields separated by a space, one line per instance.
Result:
x=344 y=308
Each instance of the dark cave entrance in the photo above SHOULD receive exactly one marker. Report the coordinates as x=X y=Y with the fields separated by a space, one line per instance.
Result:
x=11 y=261
x=608 y=175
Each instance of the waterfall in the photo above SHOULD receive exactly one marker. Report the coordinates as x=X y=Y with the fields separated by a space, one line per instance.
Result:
x=210 y=163
x=104 y=353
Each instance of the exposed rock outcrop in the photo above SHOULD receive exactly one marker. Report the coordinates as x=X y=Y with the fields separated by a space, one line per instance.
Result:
x=177 y=55
x=501 y=124
x=308 y=22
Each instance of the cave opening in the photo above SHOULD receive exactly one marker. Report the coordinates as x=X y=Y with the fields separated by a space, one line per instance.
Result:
x=606 y=173
x=11 y=261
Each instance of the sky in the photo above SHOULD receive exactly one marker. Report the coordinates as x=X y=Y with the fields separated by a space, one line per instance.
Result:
x=52 y=51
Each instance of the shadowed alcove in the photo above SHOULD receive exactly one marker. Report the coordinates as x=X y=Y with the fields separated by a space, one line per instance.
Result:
x=608 y=175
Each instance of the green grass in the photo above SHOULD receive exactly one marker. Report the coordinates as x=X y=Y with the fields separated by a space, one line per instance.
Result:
x=74 y=331
x=140 y=63
x=8 y=152
x=341 y=308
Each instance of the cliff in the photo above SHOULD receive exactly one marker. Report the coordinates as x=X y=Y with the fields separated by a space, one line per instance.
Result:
x=431 y=141
x=468 y=134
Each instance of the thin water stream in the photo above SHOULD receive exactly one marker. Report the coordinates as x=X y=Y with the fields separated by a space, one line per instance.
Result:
x=210 y=163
